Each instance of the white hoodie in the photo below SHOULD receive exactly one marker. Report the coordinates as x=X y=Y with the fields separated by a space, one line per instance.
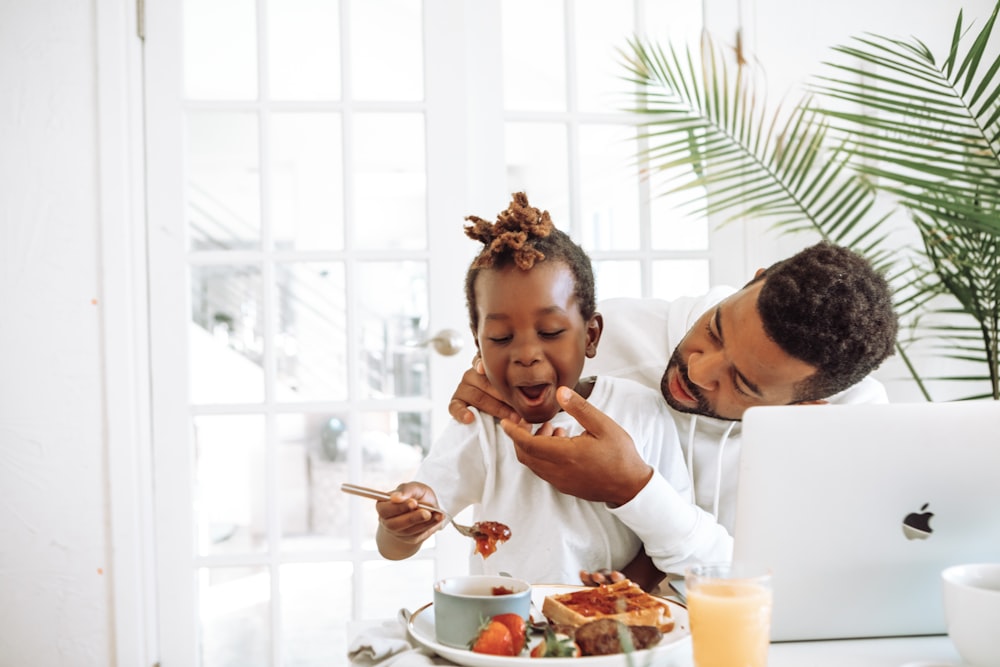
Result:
x=638 y=339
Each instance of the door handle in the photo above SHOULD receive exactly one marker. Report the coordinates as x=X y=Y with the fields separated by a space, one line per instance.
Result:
x=446 y=342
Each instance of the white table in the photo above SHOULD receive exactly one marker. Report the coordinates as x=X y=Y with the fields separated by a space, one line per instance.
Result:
x=933 y=651
x=936 y=651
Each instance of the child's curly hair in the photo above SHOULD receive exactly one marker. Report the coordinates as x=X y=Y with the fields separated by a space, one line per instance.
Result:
x=521 y=236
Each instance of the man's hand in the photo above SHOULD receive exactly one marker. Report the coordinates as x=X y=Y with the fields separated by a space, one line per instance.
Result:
x=476 y=391
x=601 y=464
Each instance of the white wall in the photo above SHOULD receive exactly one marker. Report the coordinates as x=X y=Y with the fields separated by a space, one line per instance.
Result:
x=54 y=562
x=64 y=282
x=74 y=551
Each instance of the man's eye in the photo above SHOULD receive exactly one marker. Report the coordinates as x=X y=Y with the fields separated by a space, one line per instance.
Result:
x=711 y=334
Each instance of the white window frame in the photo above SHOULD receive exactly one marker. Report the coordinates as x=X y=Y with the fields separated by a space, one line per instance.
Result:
x=129 y=326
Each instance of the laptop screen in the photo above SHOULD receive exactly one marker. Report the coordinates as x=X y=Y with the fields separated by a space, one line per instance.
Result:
x=858 y=508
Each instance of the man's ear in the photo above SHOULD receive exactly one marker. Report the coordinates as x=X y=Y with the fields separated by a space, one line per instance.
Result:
x=756 y=277
x=595 y=326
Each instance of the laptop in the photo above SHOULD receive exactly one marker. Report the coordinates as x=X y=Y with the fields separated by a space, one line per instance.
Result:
x=858 y=508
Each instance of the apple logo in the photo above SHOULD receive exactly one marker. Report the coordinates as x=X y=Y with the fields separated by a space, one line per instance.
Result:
x=917 y=525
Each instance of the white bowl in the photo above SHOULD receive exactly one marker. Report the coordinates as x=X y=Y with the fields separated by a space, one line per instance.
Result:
x=972 y=611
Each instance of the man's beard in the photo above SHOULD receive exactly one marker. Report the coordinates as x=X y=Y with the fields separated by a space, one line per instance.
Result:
x=703 y=408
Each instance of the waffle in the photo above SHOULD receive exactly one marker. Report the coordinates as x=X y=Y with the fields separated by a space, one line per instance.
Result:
x=623 y=601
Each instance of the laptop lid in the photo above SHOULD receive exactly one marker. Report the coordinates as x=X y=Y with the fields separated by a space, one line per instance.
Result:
x=858 y=508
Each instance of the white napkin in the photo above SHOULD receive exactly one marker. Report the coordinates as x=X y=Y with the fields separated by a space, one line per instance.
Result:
x=387 y=645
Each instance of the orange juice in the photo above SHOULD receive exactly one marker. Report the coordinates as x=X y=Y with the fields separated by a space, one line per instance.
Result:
x=730 y=623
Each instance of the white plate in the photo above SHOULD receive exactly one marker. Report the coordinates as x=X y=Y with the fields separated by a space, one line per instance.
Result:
x=674 y=648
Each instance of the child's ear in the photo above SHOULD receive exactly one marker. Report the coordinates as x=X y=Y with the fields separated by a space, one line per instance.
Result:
x=477 y=361
x=595 y=325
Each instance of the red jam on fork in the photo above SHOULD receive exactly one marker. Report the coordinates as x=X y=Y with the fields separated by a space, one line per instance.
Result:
x=488 y=534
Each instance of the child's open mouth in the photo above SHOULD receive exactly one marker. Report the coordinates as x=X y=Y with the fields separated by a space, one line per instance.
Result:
x=533 y=392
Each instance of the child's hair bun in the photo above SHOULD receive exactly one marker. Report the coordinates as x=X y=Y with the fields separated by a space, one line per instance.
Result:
x=512 y=235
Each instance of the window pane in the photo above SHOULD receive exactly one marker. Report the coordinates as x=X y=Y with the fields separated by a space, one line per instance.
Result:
x=679 y=277
x=235 y=610
x=307 y=190
x=230 y=483
x=609 y=188
x=387 y=52
x=617 y=278
x=220 y=49
x=391 y=585
x=672 y=227
x=223 y=188
x=390 y=453
x=538 y=164
x=392 y=315
x=300 y=438
x=678 y=20
x=315 y=514
x=534 y=53
x=304 y=49
x=311 y=345
x=313 y=454
x=602 y=28
x=390 y=209
x=226 y=336
x=315 y=608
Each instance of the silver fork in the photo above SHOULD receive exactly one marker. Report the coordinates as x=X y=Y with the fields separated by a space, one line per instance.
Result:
x=364 y=492
x=536 y=620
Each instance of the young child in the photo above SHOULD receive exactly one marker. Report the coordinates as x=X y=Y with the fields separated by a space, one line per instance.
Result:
x=532 y=310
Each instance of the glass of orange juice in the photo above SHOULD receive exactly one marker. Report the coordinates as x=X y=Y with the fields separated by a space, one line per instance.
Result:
x=729 y=609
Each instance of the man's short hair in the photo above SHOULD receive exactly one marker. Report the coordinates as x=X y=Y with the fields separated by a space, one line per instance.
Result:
x=829 y=307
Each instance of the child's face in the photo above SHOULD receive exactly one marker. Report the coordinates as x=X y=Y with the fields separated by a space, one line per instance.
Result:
x=531 y=335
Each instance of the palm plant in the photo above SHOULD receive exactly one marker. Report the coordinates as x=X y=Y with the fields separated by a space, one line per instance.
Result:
x=929 y=132
x=922 y=134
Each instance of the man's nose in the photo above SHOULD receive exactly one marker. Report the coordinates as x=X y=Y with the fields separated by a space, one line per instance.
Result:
x=705 y=369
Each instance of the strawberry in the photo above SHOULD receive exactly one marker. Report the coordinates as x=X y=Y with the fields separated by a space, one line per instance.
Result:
x=555 y=645
x=518 y=630
x=493 y=638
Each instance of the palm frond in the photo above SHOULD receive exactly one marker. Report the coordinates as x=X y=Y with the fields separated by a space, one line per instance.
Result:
x=927 y=134
x=706 y=128
x=891 y=121
x=930 y=130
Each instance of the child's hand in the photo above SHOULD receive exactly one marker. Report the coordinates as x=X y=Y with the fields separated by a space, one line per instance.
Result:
x=403 y=520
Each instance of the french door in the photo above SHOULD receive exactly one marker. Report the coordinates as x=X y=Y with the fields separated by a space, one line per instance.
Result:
x=309 y=166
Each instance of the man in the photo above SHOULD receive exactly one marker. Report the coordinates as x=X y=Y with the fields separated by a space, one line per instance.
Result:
x=809 y=329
